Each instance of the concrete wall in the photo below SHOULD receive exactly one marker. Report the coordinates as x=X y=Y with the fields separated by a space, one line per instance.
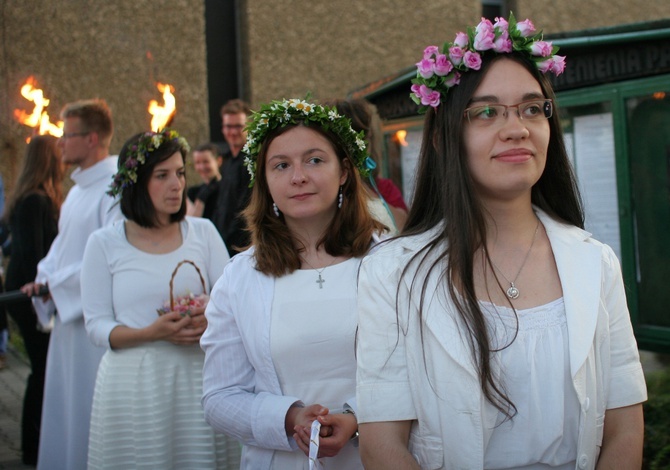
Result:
x=574 y=15
x=113 y=50
x=330 y=47
x=88 y=48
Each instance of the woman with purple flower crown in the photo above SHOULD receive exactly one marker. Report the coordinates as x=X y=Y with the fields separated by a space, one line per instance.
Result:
x=494 y=333
x=280 y=370
x=146 y=405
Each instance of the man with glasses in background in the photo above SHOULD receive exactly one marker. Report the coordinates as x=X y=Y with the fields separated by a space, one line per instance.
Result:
x=234 y=190
x=72 y=361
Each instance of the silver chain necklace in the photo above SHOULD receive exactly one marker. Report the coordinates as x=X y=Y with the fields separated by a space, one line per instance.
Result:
x=512 y=291
x=320 y=280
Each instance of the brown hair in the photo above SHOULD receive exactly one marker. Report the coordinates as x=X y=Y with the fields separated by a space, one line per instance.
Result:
x=95 y=116
x=364 y=117
x=235 y=106
x=42 y=171
x=349 y=234
x=209 y=147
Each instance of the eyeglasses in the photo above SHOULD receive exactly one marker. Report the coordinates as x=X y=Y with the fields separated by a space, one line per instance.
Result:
x=233 y=127
x=69 y=135
x=488 y=114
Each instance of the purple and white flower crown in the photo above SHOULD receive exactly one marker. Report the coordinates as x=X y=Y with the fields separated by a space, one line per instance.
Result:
x=137 y=154
x=439 y=70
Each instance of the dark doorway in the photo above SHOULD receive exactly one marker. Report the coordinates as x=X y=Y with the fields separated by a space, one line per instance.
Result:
x=221 y=37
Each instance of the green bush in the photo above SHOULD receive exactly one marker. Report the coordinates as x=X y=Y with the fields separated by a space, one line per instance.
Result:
x=15 y=338
x=657 y=422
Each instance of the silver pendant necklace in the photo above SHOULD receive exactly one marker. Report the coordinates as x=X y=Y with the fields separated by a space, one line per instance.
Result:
x=320 y=280
x=512 y=291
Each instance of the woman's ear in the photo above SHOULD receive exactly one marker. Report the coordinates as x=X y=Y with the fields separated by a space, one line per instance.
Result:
x=344 y=173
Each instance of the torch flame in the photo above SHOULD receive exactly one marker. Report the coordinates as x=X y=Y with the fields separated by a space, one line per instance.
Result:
x=163 y=115
x=400 y=137
x=39 y=118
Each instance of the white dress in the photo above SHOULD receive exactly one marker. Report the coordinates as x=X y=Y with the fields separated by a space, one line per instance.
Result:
x=146 y=406
x=72 y=361
x=537 y=379
x=312 y=343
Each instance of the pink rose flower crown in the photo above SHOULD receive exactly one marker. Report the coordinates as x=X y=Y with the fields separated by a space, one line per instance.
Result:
x=441 y=69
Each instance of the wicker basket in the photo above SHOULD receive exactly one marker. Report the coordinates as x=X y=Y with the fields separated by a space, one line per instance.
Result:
x=199 y=298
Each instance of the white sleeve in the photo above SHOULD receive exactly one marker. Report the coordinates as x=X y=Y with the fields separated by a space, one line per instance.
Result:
x=627 y=385
x=96 y=292
x=382 y=385
x=231 y=401
x=217 y=256
x=110 y=210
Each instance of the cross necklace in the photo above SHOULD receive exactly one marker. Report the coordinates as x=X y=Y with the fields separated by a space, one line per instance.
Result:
x=320 y=280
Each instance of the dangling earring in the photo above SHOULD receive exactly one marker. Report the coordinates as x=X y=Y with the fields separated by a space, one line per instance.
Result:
x=276 y=209
x=340 y=198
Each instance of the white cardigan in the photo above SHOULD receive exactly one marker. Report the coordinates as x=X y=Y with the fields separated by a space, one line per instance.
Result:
x=241 y=392
x=430 y=377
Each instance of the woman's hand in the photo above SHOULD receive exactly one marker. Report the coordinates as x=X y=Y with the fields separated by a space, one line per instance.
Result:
x=198 y=318
x=299 y=416
x=336 y=431
x=177 y=329
x=173 y=327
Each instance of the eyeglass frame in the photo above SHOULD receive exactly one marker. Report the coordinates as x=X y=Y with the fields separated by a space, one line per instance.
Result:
x=74 y=134
x=547 y=108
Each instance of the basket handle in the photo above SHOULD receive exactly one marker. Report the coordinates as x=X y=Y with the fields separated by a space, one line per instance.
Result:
x=174 y=273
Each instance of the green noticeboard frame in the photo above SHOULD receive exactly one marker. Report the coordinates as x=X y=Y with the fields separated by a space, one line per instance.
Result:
x=651 y=335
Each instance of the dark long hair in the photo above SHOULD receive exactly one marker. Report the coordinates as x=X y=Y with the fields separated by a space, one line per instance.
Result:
x=136 y=204
x=349 y=233
x=41 y=171
x=445 y=197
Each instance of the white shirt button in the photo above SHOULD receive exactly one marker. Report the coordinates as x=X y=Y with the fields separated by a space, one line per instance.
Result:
x=583 y=460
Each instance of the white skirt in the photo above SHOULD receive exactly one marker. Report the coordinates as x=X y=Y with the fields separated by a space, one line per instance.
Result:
x=147 y=413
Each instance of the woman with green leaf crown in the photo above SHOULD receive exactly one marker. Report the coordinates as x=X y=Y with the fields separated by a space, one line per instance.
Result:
x=144 y=284
x=280 y=368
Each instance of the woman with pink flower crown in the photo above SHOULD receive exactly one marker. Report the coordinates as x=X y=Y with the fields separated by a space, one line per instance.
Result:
x=144 y=285
x=494 y=332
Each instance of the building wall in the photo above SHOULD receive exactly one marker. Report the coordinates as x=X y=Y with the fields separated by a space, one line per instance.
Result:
x=574 y=15
x=79 y=49
x=331 y=47
x=85 y=48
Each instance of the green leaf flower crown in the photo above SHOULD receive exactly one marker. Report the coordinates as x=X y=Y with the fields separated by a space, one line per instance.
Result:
x=295 y=111
x=137 y=155
x=441 y=69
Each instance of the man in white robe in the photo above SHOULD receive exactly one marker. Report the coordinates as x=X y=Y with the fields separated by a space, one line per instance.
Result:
x=72 y=361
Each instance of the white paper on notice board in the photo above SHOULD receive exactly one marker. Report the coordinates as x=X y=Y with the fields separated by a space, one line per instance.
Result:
x=409 y=158
x=596 y=173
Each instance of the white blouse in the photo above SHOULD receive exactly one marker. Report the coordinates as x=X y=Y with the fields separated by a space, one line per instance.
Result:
x=312 y=340
x=123 y=285
x=536 y=377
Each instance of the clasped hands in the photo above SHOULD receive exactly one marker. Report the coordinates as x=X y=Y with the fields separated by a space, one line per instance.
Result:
x=181 y=329
x=336 y=429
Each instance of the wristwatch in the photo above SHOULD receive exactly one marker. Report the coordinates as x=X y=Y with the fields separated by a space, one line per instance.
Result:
x=349 y=411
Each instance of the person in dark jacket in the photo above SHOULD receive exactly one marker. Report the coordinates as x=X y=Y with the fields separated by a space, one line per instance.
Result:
x=32 y=217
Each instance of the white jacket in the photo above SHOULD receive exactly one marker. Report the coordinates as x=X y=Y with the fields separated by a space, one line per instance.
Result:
x=431 y=378
x=242 y=396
